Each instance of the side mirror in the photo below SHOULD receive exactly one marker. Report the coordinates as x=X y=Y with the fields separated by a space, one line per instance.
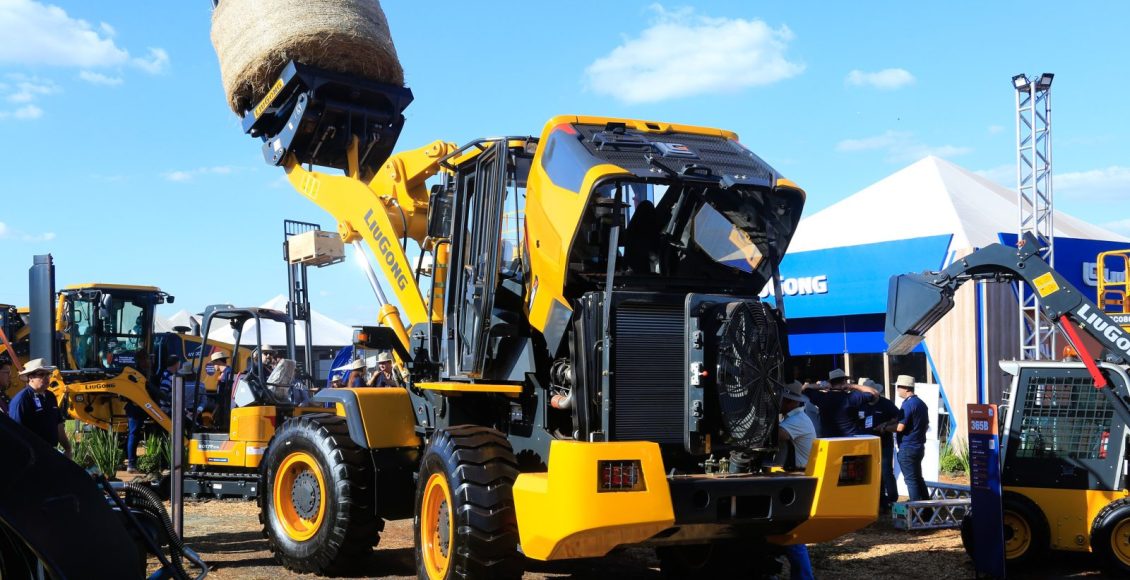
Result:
x=170 y=299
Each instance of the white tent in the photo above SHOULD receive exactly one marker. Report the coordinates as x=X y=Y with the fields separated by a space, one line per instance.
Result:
x=325 y=331
x=184 y=318
x=930 y=197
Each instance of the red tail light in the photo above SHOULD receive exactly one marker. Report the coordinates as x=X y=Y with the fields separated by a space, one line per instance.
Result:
x=1104 y=442
x=624 y=475
x=855 y=470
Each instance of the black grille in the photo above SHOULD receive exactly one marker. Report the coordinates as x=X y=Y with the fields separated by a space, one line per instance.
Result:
x=647 y=376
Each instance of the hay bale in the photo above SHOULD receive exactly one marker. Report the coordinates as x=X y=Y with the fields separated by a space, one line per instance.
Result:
x=254 y=39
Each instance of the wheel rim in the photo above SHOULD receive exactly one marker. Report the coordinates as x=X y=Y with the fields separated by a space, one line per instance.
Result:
x=436 y=526
x=1120 y=541
x=1017 y=536
x=299 y=496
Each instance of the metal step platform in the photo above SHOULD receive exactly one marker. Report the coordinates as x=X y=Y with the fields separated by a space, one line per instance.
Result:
x=948 y=504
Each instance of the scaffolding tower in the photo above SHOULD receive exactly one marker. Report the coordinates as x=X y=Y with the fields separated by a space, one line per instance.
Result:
x=1034 y=187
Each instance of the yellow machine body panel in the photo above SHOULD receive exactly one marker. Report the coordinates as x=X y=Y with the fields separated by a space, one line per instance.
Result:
x=386 y=414
x=99 y=286
x=102 y=402
x=838 y=509
x=1070 y=512
x=457 y=387
x=251 y=430
x=562 y=515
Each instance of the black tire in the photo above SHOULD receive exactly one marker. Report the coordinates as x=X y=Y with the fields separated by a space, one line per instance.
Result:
x=1027 y=540
x=476 y=533
x=967 y=541
x=1110 y=537
x=720 y=559
x=348 y=528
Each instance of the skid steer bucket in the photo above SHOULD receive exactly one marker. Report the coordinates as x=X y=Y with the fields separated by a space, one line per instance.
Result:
x=914 y=304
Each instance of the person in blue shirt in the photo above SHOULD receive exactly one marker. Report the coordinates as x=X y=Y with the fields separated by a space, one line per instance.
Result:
x=36 y=408
x=914 y=420
x=881 y=418
x=841 y=405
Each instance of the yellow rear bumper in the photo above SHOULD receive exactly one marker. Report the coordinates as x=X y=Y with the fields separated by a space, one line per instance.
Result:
x=562 y=515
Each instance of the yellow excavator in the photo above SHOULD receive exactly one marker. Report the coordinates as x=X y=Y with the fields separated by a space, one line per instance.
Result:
x=587 y=364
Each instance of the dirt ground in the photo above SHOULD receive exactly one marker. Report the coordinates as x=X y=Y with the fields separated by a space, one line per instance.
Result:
x=227 y=534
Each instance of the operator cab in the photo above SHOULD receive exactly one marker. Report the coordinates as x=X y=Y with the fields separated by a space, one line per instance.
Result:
x=107 y=328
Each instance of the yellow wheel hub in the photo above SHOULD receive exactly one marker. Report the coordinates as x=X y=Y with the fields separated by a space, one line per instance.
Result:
x=299 y=495
x=1017 y=536
x=436 y=526
x=1120 y=541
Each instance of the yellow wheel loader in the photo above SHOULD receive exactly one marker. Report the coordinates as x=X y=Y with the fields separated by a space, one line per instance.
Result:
x=1065 y=426
x=587 y=364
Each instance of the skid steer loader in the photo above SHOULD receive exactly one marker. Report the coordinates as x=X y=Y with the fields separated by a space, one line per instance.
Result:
x=589 y=366
x=1065 y=425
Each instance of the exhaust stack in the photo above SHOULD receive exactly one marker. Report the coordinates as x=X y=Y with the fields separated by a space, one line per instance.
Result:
x=41 y=300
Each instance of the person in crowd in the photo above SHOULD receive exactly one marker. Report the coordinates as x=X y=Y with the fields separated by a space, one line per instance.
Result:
x=169 y=370
x=880 y=417
x=264 y=359
x=356 y=376
x=35 y=407
x=841 y=404
x=5 y=382
x=386 y=375
x=336 y=381
x=913 y=421
x=225 y=382
x=795 y=436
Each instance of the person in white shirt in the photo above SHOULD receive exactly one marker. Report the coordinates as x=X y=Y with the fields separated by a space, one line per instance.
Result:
x=795 y=435
x=796 y=431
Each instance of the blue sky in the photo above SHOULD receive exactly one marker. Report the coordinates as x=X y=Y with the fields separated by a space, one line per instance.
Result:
x=124 y=162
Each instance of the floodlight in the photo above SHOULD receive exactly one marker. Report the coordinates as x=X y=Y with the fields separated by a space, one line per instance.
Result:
x=1020 y=81
x=1045 y=82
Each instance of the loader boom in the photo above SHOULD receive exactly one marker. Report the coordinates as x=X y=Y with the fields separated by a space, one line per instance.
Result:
x=916 y=302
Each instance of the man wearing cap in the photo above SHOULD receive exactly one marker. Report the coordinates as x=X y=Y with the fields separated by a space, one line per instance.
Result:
x=385 y=375
x=880 y=416
x=914 y=420
x=795 y=435
x=35 y=407
x=840 y=405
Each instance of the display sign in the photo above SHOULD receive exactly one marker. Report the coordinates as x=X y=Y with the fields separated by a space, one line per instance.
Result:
x=985 y=490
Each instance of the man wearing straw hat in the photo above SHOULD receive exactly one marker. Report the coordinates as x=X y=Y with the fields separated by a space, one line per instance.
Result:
x=385 y=375
x=795 y=435
x=914 y=421
x=356 y=377
x=35 y=407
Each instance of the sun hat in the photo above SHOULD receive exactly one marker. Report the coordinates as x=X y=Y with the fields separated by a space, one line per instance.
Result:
x=384 y=357
x=836 y=374
x=36 y=365
x=793 y=392
x=905 y=382
x=357 y=364
x=218 y=355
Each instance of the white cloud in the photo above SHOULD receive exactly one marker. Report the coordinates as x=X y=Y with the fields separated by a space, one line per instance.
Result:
x=42 y=34
x=886 y=79
x=25 y=89
x=1110 y=183
x=684 y=54
x=900 y=147
x=24 y=113
x=9 y=233
x=156 y=62
x=181 y=176
x=99 y=78
x=994 y=129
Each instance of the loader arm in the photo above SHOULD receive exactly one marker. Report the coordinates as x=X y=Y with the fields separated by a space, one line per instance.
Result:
x=916 y=302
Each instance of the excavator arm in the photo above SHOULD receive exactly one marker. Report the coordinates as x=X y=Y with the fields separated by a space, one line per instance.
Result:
x=916 y=302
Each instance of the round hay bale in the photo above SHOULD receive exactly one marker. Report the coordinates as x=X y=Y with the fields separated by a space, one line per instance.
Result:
x=254 y=39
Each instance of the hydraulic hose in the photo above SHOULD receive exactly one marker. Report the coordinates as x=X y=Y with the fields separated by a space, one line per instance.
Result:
x=150 y=503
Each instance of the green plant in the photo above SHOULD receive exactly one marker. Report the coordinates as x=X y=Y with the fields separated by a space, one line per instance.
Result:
x=158 y=454
x=103 y=451
x=80 y=448
x=954 y=458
